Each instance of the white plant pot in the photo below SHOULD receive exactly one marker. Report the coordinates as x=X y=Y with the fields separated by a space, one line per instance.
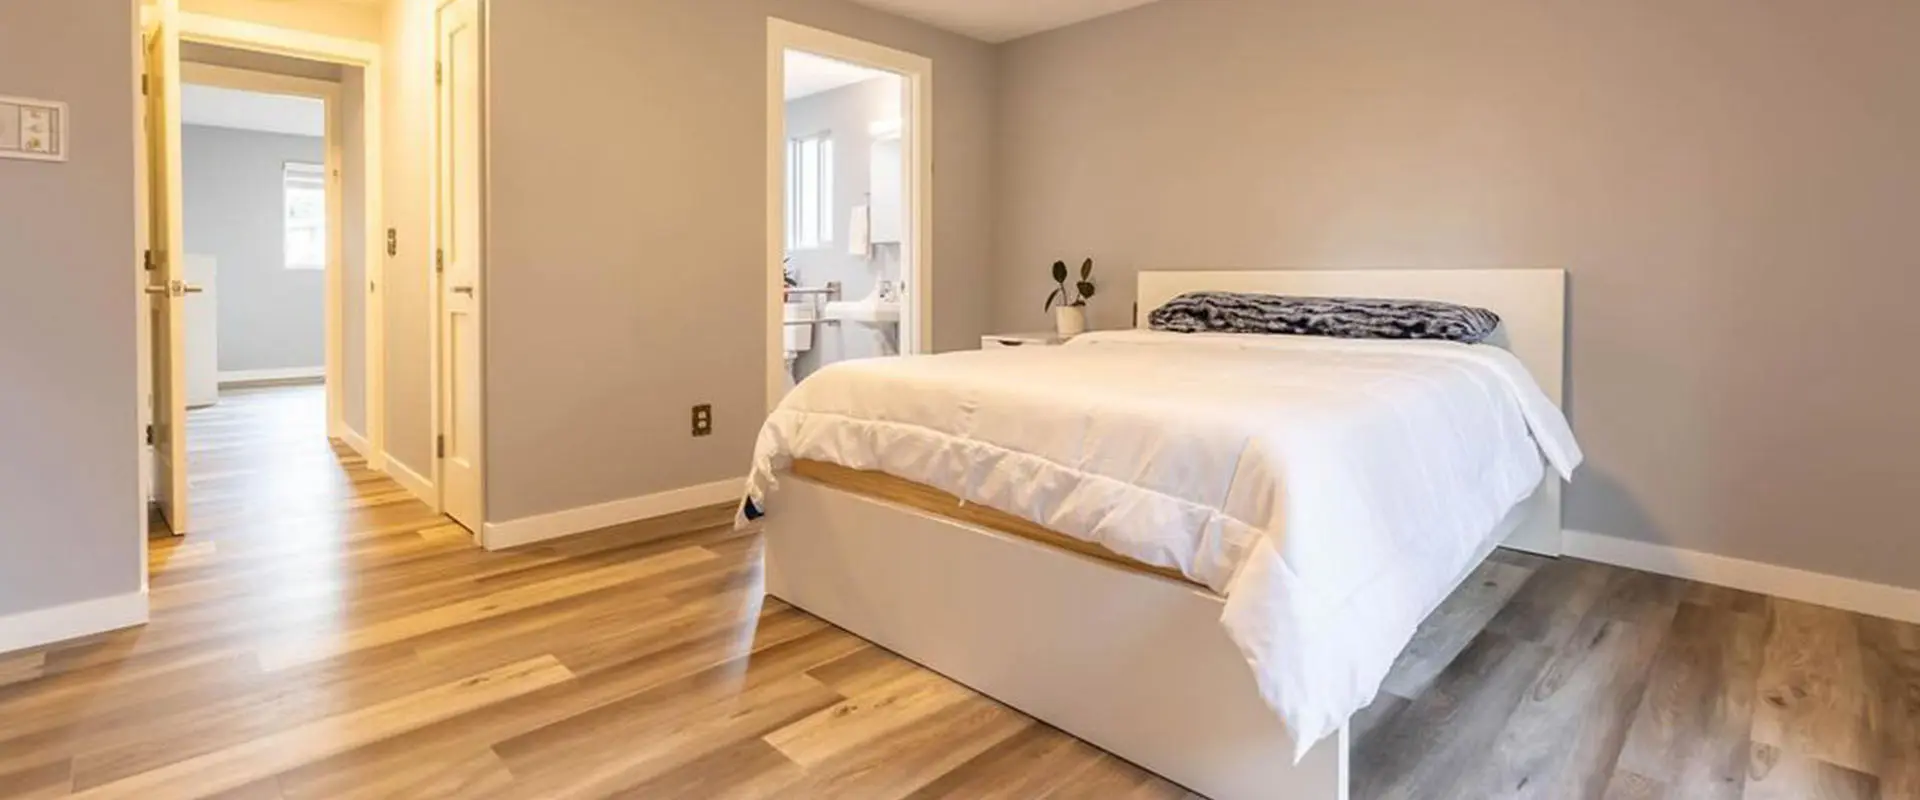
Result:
x=1070 y=320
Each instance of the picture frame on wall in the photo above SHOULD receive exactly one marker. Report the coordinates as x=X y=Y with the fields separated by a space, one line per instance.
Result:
x=35 y=130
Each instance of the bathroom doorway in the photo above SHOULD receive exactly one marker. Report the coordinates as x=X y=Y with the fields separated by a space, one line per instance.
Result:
x=848 y=217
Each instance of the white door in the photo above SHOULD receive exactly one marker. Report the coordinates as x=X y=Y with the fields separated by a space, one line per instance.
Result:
x=458 y=260
x=166 y=287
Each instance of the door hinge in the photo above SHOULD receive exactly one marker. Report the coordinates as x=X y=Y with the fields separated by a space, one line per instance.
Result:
x=146 y=260
x=149 y=435
x=440 y=446
x=143 y=84
x=437 y=77
x=439 y=260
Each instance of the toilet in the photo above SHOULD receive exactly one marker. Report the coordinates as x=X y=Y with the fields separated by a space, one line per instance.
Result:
x=798 y=338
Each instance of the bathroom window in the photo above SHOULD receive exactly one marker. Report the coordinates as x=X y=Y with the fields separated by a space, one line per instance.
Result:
x=810 y=192
x=304 y=194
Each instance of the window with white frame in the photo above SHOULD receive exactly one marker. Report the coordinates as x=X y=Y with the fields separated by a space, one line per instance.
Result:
x=304 y=192
x=810 y=192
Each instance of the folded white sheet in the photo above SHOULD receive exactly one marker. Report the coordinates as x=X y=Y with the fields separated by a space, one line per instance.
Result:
x=1331 y=490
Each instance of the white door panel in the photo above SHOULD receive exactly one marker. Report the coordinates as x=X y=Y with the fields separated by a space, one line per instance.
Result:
x=166 y=285
x=459 y=258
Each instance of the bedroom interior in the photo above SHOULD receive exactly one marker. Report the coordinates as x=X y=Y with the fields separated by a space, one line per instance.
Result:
x=1495 y=401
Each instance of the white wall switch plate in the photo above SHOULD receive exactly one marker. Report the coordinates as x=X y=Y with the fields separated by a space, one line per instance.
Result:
x=33 y=129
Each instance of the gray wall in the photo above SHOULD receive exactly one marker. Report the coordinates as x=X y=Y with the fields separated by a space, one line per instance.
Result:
x=846 y=112
x=407 y=154
x=1733 y=187
x=69 y=415
x=353 y=250
x=271 y=317
x=627 y=273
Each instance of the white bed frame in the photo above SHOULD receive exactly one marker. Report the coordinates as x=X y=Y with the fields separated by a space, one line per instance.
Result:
x=1135 y=664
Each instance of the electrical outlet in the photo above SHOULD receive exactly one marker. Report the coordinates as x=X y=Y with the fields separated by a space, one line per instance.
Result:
x=703 y=419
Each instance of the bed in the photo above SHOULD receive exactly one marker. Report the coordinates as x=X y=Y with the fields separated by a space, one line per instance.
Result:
x=1184 y=549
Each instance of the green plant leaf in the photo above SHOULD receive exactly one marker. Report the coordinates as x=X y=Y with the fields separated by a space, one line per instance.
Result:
x=1057 y=295
x=1086 y=290
x=1059 y=272
x=1086 y=270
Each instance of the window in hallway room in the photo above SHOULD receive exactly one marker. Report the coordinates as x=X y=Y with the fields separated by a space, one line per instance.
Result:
x=304 y=193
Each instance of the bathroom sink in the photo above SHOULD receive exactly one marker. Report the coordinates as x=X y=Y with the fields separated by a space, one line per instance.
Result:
x=874 y=313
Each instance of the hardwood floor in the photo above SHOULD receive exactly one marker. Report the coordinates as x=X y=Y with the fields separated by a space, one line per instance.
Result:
x=325 y=636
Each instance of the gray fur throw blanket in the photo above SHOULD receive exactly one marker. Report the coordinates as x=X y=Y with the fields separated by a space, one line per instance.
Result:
x=1341 y=317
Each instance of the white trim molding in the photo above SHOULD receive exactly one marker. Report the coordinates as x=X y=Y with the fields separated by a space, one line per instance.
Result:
x=1833 y=591
x=414 y=482
x=72 y=621
x=238 y=377
x=359 y=444
x=527 y=530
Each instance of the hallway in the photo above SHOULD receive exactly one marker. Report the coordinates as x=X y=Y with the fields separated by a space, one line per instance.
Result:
x=263 y=454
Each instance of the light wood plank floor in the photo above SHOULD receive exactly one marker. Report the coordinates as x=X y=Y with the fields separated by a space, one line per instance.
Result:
x=325 y=636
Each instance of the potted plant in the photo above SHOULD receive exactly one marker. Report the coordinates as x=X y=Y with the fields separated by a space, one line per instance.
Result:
x=1069 y=302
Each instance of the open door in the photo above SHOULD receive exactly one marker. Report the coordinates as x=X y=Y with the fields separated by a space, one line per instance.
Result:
x=458 y=259
x=166 y=286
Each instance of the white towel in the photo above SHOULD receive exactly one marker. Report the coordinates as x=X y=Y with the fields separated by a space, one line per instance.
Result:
x=859 y=231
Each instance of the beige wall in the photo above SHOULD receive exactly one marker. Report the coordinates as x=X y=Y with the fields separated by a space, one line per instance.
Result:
x=627 y=274
x=407 y=117
x=346 y=19
x=71 y=516
x=1733 y=187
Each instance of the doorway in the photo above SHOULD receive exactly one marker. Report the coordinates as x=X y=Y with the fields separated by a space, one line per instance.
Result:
x=259 y=187
x=849 y=202
x=261 y=180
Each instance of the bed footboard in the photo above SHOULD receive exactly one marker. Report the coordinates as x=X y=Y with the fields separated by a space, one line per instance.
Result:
x=1135 y=664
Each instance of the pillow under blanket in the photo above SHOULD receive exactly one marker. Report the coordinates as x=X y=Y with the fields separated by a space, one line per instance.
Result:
x=1341 y=317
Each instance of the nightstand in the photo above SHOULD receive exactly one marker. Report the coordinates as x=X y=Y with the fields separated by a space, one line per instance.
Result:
x=1041 y=339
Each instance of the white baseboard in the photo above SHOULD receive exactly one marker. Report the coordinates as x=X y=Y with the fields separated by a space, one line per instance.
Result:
x=72 y=621
x=1833 y=591
x=527 y=530
x=412 y=481
x=245 y=376
x=356 y=441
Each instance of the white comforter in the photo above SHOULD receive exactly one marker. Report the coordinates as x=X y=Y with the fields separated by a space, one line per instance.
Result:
x=1331 y=490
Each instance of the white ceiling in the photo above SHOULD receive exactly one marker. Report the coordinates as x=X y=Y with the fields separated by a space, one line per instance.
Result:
x=252 y=111
x=810 y=74
x=1002 y=20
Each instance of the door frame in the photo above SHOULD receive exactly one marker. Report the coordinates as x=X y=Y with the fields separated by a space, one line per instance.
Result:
x=916 y=74
x=237 y=34
x=437 y=395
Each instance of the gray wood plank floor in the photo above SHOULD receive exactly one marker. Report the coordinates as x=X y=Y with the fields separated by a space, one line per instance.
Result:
x=1568 y=679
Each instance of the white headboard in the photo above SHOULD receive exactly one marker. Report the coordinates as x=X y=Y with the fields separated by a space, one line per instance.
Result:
x=1532 y=303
